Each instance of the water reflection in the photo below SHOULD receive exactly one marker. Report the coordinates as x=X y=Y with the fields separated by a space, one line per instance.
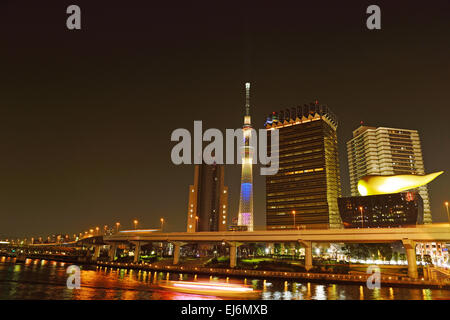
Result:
x=40 y=279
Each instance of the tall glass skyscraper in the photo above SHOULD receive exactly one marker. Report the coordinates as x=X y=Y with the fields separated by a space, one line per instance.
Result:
x=386 y=151
x=245 y=217
x=304 y=192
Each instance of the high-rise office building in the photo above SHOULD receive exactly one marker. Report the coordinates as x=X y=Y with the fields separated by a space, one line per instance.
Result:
x=304 y=192
x=245 y=217
x=386 y=151
x=208 y=200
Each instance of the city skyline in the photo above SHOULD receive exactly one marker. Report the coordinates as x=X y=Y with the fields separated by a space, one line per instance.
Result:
x=101 y=152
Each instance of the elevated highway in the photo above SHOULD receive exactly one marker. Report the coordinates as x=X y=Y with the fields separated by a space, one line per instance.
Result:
x=408 y=236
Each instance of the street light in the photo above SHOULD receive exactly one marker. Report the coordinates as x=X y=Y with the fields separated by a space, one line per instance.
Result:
x=196 y=221
x=117 y=226
x=97 y=229
x=162 y=224
x=293 y=213
x=446 y=206
x=362 y=216
x=135 y=224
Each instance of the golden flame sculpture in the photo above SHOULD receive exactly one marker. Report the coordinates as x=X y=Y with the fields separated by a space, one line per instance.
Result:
x=373 y=185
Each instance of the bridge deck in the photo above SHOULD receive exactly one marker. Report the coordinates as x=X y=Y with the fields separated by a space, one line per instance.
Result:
x=419 y=234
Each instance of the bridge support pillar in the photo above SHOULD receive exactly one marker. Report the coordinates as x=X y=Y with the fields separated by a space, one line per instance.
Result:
x=176 y=251
x=137 y=251
x=410 y=247
x=112 y=252
x=233 y=253
x=308 y=254
x=96 y=252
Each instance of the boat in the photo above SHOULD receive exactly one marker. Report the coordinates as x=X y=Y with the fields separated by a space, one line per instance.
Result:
x=211 y=288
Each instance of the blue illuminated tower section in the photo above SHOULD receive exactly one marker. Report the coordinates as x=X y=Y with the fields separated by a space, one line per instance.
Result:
x=245 y=217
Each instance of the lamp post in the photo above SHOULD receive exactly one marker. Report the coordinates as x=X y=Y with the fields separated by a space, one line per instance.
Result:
x=162 y=224
x=97 y=229
x=362 y=216
x=446 y=207
x=293 y=213
x=196 y=223
x=117 y=226
x=135 y=224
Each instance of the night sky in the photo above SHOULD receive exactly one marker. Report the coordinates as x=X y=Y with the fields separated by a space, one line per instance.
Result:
x=86 y=116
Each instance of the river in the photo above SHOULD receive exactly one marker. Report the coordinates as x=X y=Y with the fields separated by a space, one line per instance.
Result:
x=41 y=279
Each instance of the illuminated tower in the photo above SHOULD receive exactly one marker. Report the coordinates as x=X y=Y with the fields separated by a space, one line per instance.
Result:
x=245 y=217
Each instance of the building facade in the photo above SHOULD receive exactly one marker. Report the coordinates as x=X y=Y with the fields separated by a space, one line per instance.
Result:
x=208 y=200
x=304 y=192
x=382 y=211
x=386 y=151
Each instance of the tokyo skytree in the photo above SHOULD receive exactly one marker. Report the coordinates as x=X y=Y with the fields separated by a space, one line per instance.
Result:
x=245 y=217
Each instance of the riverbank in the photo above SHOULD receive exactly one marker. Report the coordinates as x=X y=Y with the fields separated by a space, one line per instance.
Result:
x=391 y=281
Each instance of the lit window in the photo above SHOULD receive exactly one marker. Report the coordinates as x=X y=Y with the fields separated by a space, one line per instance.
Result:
x=223 y=222
x=224 y=206
x=191 y=215
x=190 y=226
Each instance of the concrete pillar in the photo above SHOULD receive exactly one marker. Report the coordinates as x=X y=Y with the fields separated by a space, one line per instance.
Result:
x=112 y=252
x=410 y=247
x=137 y=251
x=176 y=252
x=96 y=252
x=425 y=273
x=308 y=254
x=233 y=253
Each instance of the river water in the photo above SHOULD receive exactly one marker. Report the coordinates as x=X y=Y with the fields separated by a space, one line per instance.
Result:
x=41 y=279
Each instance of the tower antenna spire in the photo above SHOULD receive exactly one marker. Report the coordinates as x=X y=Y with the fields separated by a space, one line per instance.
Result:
x=247 y=98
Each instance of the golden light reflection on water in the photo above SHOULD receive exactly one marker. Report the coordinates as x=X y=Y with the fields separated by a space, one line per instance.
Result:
x=427 y=294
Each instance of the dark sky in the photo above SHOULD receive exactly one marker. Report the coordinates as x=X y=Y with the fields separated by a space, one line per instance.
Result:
x=86 y=116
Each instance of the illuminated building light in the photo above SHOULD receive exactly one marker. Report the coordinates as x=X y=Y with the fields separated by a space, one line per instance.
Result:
x=374 y=185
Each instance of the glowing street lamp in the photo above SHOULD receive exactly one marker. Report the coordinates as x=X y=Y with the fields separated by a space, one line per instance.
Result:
x=97 y=229
x=135 y=224
x=293 y=213
x=362 y=216
x=446 y=206
x=162 y=224
x=117 y=226
x=196 y=220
